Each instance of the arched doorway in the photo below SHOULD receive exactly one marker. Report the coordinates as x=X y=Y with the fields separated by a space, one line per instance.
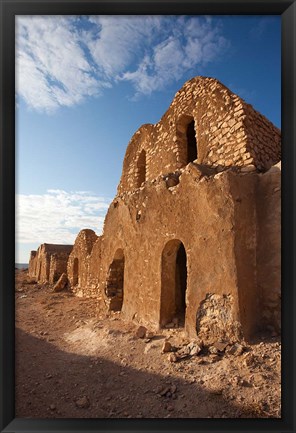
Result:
x=115 y=282
x=173 y=283
x=75 y=271
x=141 y=169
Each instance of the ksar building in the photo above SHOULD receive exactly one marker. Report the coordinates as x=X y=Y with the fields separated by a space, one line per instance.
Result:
x=192 y=237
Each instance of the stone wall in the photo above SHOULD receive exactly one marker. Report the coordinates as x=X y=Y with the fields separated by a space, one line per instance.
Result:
x=32 y=263
x=115 y=282
x=58 y=265
x=78 y=262
x=192 y=237
x=226 y=131
x=264 y=139
x=42 y=267
x=214 y=216
x=39 y=264
x=199 y=213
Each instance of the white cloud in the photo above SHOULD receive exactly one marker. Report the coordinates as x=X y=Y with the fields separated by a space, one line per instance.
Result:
x=51 y=67
x=61 y=60
x=196 y=44
x=58 y=216
x=115 y=46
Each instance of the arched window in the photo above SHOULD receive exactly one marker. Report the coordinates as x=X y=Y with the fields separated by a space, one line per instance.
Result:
x=141 y=169
x=115 y=281
x=187 y=144
x=191 y=142
x=173 y=283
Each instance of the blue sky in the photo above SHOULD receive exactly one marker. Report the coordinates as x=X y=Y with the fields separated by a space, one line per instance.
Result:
x=84 y=85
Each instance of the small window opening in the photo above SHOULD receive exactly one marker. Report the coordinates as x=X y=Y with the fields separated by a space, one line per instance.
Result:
x=191 y=143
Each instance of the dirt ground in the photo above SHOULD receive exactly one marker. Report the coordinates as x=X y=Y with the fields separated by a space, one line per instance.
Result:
x=73 y=361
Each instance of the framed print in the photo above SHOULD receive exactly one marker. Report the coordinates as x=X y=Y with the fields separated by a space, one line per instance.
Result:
x=147 y=223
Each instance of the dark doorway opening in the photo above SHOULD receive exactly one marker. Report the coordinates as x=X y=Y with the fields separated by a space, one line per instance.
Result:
x=181 y=284
x=191 y=142
x=173 y=284
x=115 y=282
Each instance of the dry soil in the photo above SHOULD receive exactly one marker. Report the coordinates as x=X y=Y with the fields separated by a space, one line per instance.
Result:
x=75 y=361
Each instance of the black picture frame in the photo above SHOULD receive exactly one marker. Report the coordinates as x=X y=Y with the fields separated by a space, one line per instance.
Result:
x=11 y=8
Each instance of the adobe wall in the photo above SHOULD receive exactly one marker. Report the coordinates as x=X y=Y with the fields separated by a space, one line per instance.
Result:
x=94 y=271
x=40 y=263
x=167 y=214
x=269 y=247
x=58 y=265
x=77 y=266
x=214 y=218
x=228 y=132
x=32 y=264
x=225 y=272
x=243 y=190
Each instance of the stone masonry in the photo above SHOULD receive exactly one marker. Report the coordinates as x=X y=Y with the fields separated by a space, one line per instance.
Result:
x=192 y=238
x=228 y=132
x=49 y=262
x=78 y=263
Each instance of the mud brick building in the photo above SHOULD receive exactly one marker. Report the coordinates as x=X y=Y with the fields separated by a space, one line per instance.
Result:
x=193 y=234
x=49 y=262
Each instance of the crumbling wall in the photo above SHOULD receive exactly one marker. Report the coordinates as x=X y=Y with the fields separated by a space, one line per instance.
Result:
x=193 y=235
x=32 y=264
x=115 y=282
x=41 y=265
x=78 y=262
x=58 y=265
x=228 y=132
x=94 y=270
x=215 y=319
x=198 y=212
x=214 y=216
x=263 y=139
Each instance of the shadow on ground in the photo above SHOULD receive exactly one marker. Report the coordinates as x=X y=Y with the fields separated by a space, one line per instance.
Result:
x=51 y=383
